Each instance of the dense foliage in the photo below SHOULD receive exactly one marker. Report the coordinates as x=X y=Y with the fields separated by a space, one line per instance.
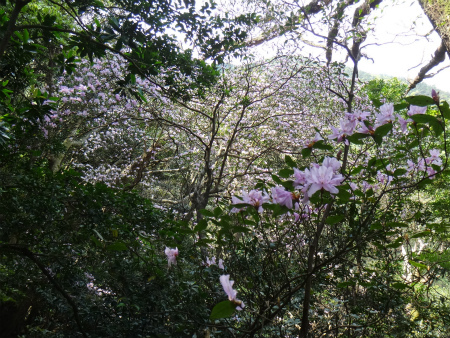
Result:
x=146 y=192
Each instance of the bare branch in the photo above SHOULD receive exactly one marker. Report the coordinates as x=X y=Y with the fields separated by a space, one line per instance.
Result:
x=439 y=56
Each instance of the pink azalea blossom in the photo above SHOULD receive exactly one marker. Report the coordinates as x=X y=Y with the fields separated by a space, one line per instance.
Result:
x=414 y=110
x=171 y=256
x=347 y=128
x=431 y=172
x=332 y=163
x=211 y=261
x=434 y=158
x=366 y=130
x=254 y=197
x=282 y=197
x=403 y=123
x=221 y=264
x=227 y=285
x=357 y=116
x=300 y=178
x=323 y=178
x=386 y=114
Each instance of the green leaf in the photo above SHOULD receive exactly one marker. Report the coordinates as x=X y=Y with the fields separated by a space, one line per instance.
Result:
x=383 y=130
x=399 y=286
x=276 y=179
x=96 y=241
x=290 y=162
x=396 y=225
x=421 y=234
x=223 y=309
x=420 y=100
x=400 y=172
x=345 y=284
x=334 y=219
x=206 y=213
x=98 y=234
x=397 y=243
x=285 y=173
x=357 y=138
x=239 y=228
x=306 y=152
x=202 y=225
x=445 y=109
x=321 y=145
x=378 y=139
x=400 y=106
x=424 y=118
x=343 y=194
x=417 y=264
x=377 y=103
x=217 y=211
x=376 y=226
x=118 y=246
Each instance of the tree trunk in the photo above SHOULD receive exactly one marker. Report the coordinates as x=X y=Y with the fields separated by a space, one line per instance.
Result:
x=438 y=11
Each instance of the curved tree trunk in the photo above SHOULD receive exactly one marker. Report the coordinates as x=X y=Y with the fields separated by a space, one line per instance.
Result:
x=438 y=11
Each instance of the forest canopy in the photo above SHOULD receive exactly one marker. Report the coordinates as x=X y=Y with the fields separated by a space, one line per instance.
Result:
x=160 y=176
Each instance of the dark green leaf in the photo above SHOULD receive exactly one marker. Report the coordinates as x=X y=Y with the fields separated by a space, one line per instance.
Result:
x=445 y=109
x=290 y=162
x=206 y=213
x=383 y=130
x=417 y=264
x=321 y=145
x=285 y=173
x=306 y=152
x=396 y=225
x=202 y=225
x=399 y=286
x=334 y=219
x=421 y=234
x=400 y=172
x=118 y=246
x=345 y=284
x=420 y=100
x=400 y=106
x=223 y=309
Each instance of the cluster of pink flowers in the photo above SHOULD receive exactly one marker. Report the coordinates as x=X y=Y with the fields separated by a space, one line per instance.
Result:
x=212 y=261
x=324 y=177
x=426 y=164
x=359 y=121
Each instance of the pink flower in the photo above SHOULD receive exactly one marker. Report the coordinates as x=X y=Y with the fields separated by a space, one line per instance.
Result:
x=282 y=197
x=366 y=130
x=347 y=128
x=386 y=114
x=332 y=163
x=357 y=116
x=403 y=123
x=171 y=256
x=323 y=178
x=414 y=110
x=221 y=264
x=227 y=285
x=434 y=158
x=210 y=262
x=300 y=177
x=254 y=197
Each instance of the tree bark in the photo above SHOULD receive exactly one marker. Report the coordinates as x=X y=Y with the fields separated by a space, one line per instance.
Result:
x=438 y=12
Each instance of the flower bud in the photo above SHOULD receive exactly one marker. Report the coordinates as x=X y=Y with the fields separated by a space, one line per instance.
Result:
x=435 y=96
